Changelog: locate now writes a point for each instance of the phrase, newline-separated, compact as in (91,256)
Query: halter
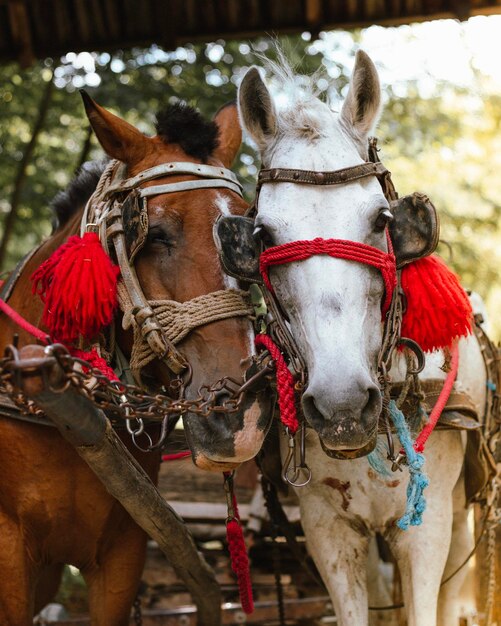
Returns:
(359,252)
(118,212)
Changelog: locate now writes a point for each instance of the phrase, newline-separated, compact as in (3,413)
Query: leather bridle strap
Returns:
(218,177)
(339,248)
(310,177)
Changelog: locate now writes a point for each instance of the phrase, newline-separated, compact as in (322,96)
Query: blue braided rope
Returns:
(416,503)
(377,459)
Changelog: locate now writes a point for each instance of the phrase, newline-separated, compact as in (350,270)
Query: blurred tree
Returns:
(445,143)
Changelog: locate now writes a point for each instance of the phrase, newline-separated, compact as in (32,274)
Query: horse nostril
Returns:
(311,412)
(220,397)
(368,403)
(372,409)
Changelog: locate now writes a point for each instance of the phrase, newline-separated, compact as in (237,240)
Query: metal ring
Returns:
(131,431)
(297,473)
(417,350)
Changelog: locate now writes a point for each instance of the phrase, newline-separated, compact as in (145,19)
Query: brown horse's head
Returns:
(180,261)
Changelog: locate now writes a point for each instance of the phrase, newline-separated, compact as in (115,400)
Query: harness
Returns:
(411,235)
(118,211)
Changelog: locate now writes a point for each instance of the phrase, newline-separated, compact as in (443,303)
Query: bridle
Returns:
(385,262)
(359,252)
(118,211)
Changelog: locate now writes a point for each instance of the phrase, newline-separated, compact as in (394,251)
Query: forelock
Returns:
(183,125)
(300,111)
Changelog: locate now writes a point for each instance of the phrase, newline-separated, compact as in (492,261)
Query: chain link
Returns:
(127,401)
(138,616)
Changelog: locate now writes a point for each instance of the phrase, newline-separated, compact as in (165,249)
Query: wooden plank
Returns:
(217,512)
(30,30)
(82,20)
(296,609)
(314,12)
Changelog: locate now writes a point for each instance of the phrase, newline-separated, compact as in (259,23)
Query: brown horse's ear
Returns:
(119,139)
(230,134)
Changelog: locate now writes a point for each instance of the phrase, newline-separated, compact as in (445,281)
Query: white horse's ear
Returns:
(256,109)
(361,107)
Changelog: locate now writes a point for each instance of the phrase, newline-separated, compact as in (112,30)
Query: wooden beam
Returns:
(21,32)
(314,12)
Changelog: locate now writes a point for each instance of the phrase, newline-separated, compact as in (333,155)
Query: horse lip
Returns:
(204,462)
(352,453)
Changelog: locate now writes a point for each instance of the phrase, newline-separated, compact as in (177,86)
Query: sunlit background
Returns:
(440,128)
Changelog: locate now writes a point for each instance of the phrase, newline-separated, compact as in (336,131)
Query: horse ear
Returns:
(256,109)
(361,107)
(119,139)
(230,133)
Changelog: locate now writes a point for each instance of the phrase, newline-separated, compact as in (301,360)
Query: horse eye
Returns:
(385,216)
(159,236)
(260,234)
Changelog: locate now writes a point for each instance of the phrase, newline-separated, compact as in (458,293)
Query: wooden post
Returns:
(87,428)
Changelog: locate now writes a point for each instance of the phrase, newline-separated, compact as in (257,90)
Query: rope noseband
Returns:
(339,248)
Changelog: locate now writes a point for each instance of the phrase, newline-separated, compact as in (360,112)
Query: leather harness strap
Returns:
(310,177)
(11,281)
(173,169)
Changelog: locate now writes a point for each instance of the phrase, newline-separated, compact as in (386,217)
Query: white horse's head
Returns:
(334,305)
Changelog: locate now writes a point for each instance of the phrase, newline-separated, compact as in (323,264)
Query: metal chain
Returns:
(127,401)
(138,616)
(491,580)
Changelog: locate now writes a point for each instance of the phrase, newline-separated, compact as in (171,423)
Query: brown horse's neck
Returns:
(22,298)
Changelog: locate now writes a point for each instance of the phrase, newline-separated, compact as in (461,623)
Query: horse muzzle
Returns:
(222,441)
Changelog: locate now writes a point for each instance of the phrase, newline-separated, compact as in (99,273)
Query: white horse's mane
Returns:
(301,111)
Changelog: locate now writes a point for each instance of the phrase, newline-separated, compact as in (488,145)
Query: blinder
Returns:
(238,249)
(415,228)
(135,223)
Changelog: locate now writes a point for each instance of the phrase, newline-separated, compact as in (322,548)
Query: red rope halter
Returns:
(339,248)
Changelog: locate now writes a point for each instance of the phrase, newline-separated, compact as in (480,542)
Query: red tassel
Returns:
(438,309)
(78,285)
(240,564)
(95,361)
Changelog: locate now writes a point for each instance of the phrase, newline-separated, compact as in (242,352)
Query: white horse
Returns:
(334,308)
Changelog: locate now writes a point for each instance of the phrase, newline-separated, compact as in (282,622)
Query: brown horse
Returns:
(53,509)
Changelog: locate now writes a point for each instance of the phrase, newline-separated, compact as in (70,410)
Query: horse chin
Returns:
(204,463)
(337,451)
(217,447)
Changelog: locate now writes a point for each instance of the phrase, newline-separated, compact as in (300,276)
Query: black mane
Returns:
(67,202)
(181,124)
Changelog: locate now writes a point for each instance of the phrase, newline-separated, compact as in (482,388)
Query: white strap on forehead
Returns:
(188,185)
(176,168)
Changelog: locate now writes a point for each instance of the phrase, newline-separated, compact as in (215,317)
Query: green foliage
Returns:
(445,143)
(72,592)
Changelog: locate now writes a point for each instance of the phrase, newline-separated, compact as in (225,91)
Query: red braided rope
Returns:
(92,357)
(339,248)
(22,323)
(420,442)
(95,361)
(175,456)
(238,556)
(285,383)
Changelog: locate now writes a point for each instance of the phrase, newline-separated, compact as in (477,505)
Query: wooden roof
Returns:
(31,29)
